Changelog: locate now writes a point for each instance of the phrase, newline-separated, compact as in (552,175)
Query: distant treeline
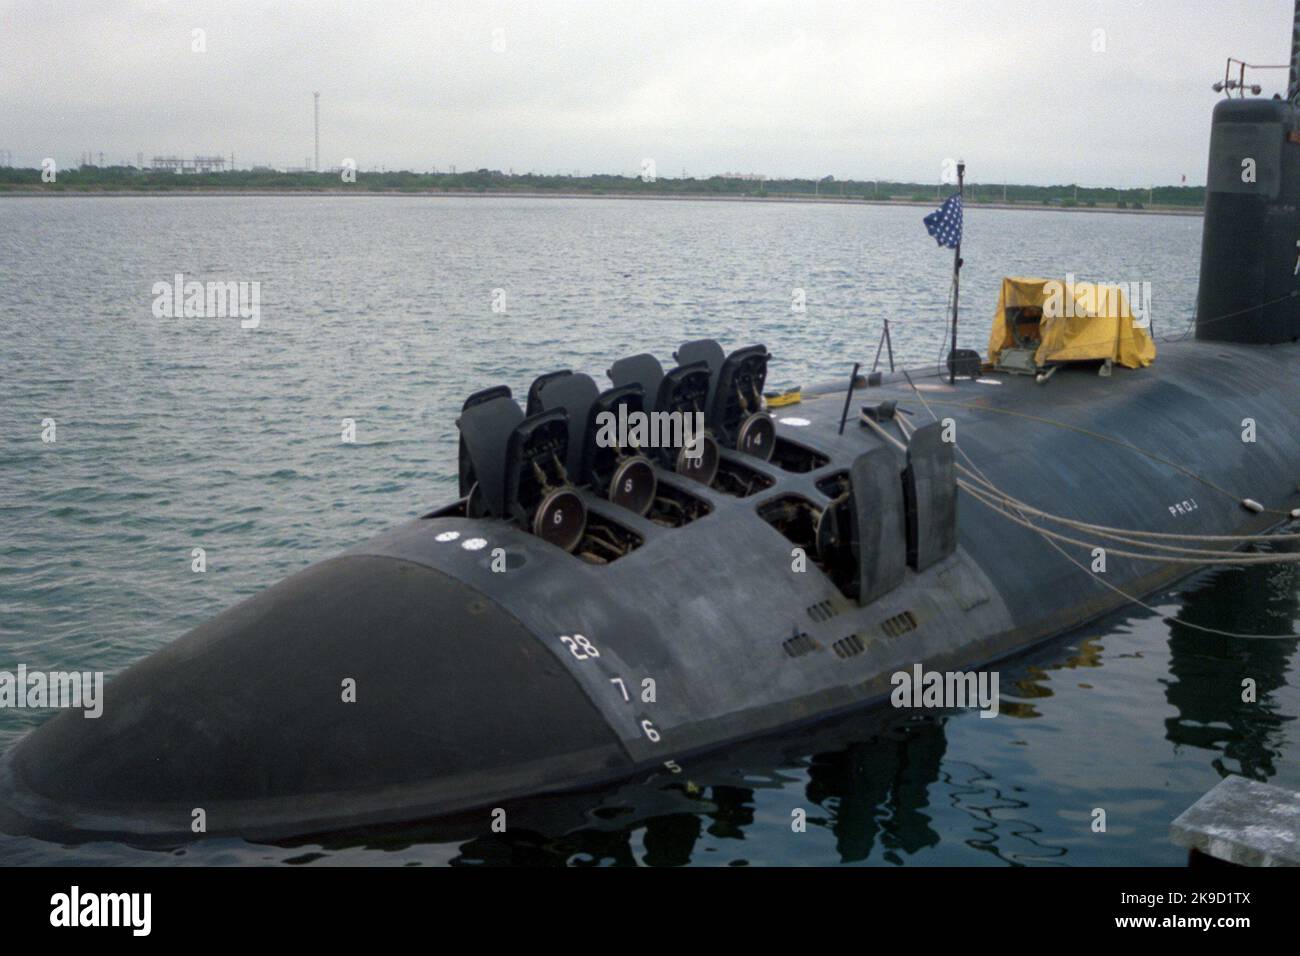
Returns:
(93,178)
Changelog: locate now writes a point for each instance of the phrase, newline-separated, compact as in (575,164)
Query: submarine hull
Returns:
(486,664)
(358,688)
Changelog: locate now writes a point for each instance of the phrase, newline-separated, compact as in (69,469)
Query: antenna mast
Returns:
(316,99)
(1294,84)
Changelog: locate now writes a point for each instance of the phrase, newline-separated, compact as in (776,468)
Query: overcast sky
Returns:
(860,89)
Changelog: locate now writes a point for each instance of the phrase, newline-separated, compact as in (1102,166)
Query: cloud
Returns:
(855,89)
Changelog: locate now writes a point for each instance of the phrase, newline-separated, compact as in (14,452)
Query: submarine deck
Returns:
(477,686)
(709,610)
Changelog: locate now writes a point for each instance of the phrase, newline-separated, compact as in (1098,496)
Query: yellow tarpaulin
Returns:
(1076,321)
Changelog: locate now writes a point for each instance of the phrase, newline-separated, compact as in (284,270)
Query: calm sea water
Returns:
(181,433)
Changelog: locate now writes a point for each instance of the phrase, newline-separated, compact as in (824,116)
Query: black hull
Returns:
(467,696)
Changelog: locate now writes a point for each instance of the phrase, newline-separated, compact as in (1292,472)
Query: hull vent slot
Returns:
(791,456)
(799,645)
(899,624)
(822,611)
(850,646)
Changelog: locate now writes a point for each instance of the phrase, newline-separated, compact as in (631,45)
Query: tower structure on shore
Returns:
(316,98)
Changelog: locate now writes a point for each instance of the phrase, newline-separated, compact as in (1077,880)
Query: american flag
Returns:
(944,224)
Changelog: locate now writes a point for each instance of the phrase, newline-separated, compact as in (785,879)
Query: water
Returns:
(174,434)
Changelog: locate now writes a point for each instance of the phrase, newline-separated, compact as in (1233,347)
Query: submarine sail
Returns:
(1250,251)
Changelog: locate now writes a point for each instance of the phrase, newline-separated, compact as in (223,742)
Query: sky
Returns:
(1053,91)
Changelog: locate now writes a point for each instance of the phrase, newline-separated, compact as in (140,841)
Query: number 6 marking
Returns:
(650,732)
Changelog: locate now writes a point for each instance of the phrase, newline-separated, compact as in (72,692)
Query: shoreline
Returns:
(535,194)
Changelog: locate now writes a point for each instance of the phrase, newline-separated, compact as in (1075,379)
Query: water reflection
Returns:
(1206,672)
(881,789)
(1032,680)
(866,780)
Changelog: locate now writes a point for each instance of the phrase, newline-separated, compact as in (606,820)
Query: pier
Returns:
(1243,822)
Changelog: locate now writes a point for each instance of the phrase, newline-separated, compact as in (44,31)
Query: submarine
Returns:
(591,610)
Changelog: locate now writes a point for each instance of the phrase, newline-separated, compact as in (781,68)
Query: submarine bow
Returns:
(363,687)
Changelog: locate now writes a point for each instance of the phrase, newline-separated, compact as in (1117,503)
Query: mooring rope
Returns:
(1069,557)
(1113,534)
(1122,534)
(1203,558)
(1180,336)
(1100,436)
(984,491)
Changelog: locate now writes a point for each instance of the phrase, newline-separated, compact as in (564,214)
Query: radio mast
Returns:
(316,99)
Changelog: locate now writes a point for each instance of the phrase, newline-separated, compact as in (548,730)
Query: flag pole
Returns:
(956,278)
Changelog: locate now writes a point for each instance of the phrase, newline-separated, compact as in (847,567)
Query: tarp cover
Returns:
(1081,321)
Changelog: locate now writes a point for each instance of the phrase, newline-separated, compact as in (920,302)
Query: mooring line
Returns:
(991,495)
(1069,557)
(1100,436)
